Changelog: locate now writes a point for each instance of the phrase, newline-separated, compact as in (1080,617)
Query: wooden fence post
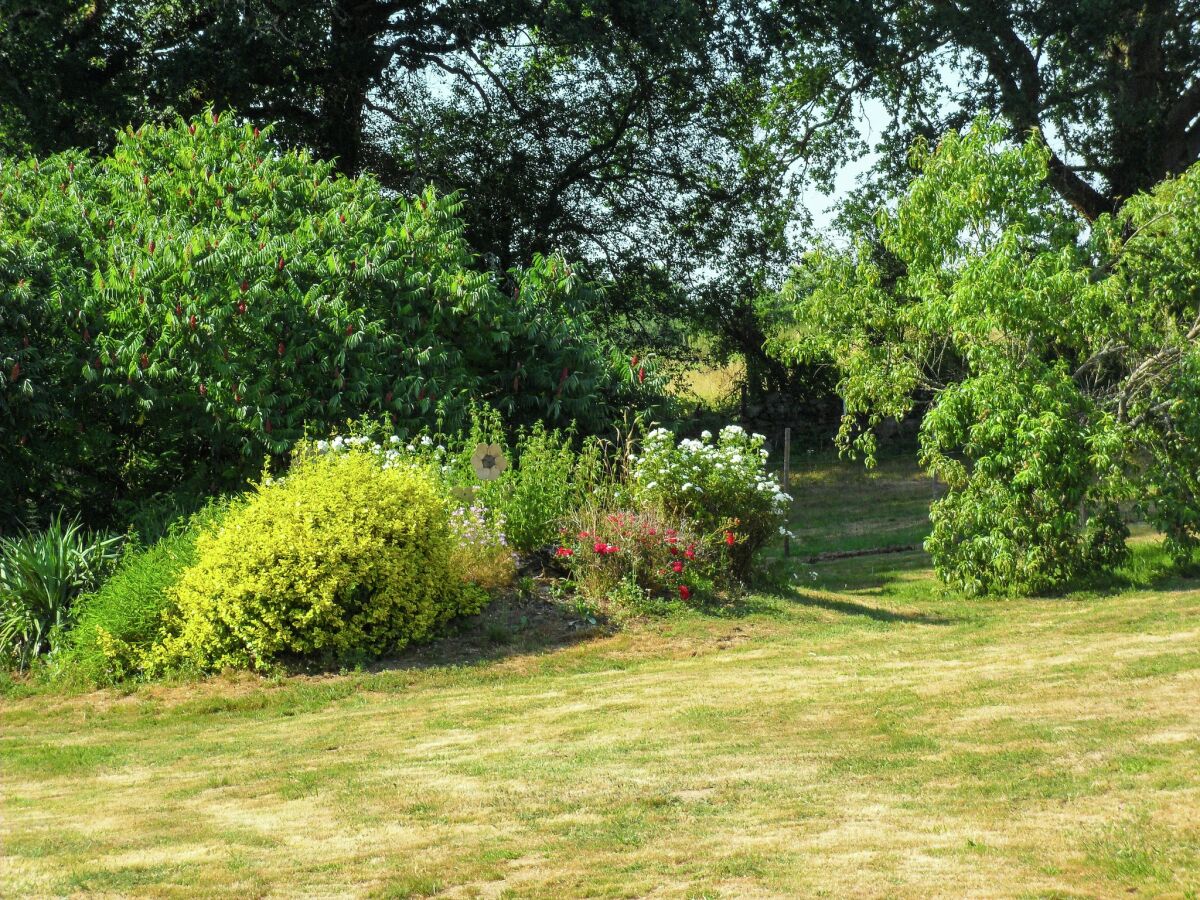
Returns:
(785,478)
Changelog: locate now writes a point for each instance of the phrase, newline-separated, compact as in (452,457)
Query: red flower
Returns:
(600,547)
(685,592)
(564,551)
(677,566)
(729,538)
(689,553)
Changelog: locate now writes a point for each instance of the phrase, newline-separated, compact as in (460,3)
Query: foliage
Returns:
(722,486)
(1114,81)
(117,625)
(175,310)
(548,481)
(41,575)
(1057,358)
(623,133)
(613,553)
(342,559)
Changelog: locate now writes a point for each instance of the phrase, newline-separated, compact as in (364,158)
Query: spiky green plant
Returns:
(41,574)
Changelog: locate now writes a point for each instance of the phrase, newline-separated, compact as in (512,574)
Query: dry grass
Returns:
(714,387)
(857,735)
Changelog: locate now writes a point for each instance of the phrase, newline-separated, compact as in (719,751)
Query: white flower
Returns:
(394,439)
(706,435)
(426,441)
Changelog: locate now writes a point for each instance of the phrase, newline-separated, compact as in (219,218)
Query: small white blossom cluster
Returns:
(720,483)
(392,451)
(734,463)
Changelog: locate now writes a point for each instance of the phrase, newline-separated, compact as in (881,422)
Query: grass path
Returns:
(856,736)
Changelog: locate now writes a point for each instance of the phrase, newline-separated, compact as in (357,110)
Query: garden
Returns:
(448,452)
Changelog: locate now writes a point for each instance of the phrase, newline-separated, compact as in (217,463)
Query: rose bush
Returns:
(611,551)
(720,485)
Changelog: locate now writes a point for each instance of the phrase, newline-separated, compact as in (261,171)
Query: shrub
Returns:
(41,575)
(609,551)
(171,312)
(1010,523)
(721,486)
(341,559)
(548,481)
(117,625)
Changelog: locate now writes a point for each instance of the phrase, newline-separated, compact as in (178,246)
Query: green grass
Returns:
(843,506)
(859,732)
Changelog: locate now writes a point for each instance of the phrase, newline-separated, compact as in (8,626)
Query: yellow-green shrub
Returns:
(346,557)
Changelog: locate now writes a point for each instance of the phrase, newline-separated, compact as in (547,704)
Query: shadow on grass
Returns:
(850,587)
(876,613)
(511,625)
(1148,568)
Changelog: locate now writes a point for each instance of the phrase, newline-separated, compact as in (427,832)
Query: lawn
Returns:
(856,732)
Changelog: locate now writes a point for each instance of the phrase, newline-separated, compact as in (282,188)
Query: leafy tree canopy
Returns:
(175,310)
(621,133)
(1113,84)
(1059,359)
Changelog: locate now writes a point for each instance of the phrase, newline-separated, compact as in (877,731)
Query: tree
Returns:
(624,134)
(1114,84)
(1059,358)
(193,301)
